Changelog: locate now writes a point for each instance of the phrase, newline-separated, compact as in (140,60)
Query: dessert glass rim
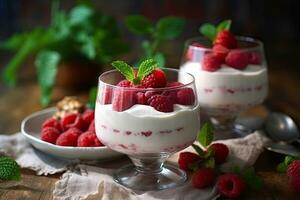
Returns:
(148,89)
(259,43)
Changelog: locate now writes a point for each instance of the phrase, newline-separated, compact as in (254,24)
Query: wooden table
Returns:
(16,103)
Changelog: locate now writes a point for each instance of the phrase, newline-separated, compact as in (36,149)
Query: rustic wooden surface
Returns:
(16,103)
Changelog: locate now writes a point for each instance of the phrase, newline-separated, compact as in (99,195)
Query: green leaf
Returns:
(281,167)
(289,159)
(210,163)
(124,68)
(205,135)
(46,64)
(169,28)
(146,67)
(138,24)
(92,98)
(80,14)
(253,181)
(14,42)
(209,31)
(224,25)
(9,169)
(160,59)
(194,166)
(147,48)
(198,150)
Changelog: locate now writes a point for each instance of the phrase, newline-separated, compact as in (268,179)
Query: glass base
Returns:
(167,177)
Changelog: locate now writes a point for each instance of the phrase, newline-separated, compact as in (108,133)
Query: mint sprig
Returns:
(205,136)
(9,169)
(283,166)
(210,31)
(145,68)
(248,174)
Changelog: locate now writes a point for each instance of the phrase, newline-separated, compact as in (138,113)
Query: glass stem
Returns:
(151,164)
(223,126)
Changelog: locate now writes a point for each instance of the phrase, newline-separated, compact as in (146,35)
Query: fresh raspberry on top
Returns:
(186,96)
(174,84)
(294,169)
(226,39)
(237,59)
(124,83)
(123,99)
(88,116)
(203,177)
(157,79)
(211,63)
(230,185)
(72,120)
(69,137)
(51,122)
(49,134)
(161,103)
(254,58)
(220,51)
(186,159)
(141,98)
(171,95)
(88,139)
(92,126)
(220,152)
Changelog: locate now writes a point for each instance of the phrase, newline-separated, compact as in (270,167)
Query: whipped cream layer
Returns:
(229,87)
(142,129)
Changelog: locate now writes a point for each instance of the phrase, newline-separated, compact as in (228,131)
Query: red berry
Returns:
(174,84)
(72,120)
(88,116)
(88,139)
(237,59)
(123,99)
(294,169)
(92,126)
(191,53)
(220,152)
(186,96)
(51,122)
(124,83)
(220,52)
(186,159)
(226,39)
(141,98)
(254,58)
(211,63)
(160,103)
(230,185)
(295,183)
(171,95)
(106,95)
(157,79)
(69,137)
(50,134)
(203,177)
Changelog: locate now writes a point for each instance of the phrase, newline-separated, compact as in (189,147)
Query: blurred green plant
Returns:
(82,33)
(166,28)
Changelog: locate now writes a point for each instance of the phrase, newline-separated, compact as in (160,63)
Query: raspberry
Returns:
(220,152)
(106,95)
(192,50)
(186,159)
(226,39)
(294,169)
(124,83)
(295,183)
(88,139)
(203,177)
(186,96)
(157,79)
(230,185)
(72,120)
(88,117)
(237,59)
(254,58)
(211,63)
(220,52)
(171,95)
(69,137)
(174,84)
(51,122)
(123,99)
(49,134)
(160,103)
(141,98)
(92,126)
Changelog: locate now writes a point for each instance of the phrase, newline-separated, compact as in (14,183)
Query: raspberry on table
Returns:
(52,122)
(203,177)
(294,169)
(185,96)
(88,139)
(230,185)
(186,159)
(92,126)
(220,152)
(295,183)
(226,39)
(88,116)
(211,63)
(161,103)
(123,99)
(69,137)
(157,79)
(72,120)
(49,134)
(237,59)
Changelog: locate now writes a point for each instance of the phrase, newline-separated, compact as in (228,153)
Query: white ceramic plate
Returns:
(31,127)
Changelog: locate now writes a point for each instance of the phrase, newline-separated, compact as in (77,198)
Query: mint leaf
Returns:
(198,150)
(224,25)
(146,67)
(138,24)
(169,28)
(194,166)
(210,163)
(9,169)
(253,181)
(160,58)
(205,135)
(80,14)
(92,98)
(281,167)
(209,31)
(289,159)
(46,64)
(124,68)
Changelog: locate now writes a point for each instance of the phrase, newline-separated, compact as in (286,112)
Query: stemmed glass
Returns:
(224,93)
(146,135)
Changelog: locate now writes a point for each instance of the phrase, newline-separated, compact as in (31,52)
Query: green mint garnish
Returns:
(145,68)
(205,136)
(253,181)
(198,150)
(9,169)
(210,163)
(210,31)
(283,166)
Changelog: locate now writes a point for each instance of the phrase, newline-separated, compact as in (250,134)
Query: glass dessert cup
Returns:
(226,92)
(145,134)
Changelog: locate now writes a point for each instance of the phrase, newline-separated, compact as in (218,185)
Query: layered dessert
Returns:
(150,114)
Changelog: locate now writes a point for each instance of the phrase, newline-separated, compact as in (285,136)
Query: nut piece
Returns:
(68,105)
